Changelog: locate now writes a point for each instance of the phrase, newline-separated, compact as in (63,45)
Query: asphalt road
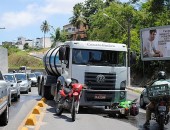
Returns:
(20,109)
(95,119)
(88,118)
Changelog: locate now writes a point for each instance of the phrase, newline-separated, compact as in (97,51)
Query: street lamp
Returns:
(128,45)
(2,28)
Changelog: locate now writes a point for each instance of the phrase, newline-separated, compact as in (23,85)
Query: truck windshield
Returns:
(99,57)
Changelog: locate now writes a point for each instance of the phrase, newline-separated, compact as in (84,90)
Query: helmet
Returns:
(14,71)
(161,75)
(134,110)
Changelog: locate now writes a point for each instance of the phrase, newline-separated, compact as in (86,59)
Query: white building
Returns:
(37,43)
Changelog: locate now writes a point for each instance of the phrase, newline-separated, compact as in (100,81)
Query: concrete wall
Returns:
(3,60)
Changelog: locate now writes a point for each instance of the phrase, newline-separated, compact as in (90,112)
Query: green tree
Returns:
(26,46)
(55,37)
(45,28)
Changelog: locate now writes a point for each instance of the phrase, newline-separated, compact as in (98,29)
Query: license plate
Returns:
(100,96)
(161,108)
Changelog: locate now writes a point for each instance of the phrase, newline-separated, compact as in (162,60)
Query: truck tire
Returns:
(39,85)
(4,117)
(46,92)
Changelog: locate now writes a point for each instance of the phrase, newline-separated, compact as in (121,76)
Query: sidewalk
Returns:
(135,89)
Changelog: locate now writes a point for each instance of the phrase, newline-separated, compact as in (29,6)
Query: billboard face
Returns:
(155,43)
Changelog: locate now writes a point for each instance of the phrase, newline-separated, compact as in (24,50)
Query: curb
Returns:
(134,89)
(34,116)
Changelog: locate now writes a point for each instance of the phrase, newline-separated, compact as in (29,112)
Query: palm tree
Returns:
(78,19)
(45,27)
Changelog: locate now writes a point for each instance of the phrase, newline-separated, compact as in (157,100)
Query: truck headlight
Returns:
(122,95)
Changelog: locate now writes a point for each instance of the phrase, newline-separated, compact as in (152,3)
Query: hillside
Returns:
(22,58)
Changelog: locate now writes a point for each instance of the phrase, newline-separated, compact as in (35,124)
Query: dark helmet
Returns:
(161,75)
(14,71)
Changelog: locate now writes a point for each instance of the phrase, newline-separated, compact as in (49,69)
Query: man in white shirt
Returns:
(149,49)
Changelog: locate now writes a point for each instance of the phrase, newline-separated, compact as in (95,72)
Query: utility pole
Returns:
(128,65)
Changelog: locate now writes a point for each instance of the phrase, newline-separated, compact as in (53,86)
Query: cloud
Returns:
(34,12)
(60,6)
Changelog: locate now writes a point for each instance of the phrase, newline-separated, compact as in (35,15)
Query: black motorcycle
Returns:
(160,95)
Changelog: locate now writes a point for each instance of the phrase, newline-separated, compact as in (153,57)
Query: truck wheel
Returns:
(39,87)
(4,117)
(46,92)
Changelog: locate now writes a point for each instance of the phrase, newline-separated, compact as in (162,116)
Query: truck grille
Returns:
(100,81)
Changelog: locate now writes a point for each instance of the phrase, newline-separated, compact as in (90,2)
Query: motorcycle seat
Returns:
(67,90)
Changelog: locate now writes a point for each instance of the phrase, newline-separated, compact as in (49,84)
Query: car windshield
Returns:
(38,74)
(21,77)
(31,75)
(9,78)
(99,57)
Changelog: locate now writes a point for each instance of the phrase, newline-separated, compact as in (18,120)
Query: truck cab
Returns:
(101,67)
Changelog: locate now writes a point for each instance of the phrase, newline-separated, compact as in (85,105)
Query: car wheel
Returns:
(142,103)
(16,98)
(30,89)
(4,117)
(27,91)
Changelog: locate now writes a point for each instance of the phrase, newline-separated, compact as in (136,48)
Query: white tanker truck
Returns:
(100,66)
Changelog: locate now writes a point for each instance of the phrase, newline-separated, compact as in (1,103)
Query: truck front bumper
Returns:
(100,97)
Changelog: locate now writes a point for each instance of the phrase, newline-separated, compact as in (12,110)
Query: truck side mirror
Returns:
(62,53)
(132,57)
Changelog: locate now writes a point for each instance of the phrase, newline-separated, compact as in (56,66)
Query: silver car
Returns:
(33,78)
(14,85)
(143,99)
(25,84)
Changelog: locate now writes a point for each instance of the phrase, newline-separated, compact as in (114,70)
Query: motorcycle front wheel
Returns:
(161,122)
(73,110)
(58,108)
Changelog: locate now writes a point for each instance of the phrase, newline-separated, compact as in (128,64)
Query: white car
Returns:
(14,85)
(25,84)
(33,78)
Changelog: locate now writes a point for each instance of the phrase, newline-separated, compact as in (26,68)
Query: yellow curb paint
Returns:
(41,103)
(36,110)
(43,99)
(24,128)
(31,120)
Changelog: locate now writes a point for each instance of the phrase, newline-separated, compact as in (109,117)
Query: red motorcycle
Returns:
(68,98)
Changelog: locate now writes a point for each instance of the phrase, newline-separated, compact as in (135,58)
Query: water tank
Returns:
(52,63)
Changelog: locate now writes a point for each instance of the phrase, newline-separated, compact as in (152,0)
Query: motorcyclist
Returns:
(150,107)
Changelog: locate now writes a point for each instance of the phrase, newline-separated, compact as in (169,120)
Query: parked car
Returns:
(38,74)
(33,78)
(14,85)
(4,101)
(144,100)
(25,82)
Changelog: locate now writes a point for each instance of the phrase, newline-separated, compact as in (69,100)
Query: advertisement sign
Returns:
(155,43)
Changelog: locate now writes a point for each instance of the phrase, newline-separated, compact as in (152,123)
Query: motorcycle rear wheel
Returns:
(73,110)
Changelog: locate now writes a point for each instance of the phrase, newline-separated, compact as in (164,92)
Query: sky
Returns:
(24,17)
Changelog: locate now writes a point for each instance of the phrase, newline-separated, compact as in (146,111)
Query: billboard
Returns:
(155,43)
